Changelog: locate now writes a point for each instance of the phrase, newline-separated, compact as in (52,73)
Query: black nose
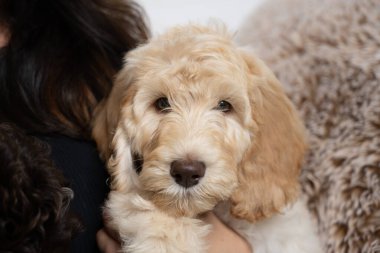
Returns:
(187,172)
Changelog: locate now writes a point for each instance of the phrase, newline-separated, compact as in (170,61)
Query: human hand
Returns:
(106,243)
(107,239)
(223,239)
(4,35)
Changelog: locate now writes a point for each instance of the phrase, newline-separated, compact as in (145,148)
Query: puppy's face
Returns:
(188,127)
(184,120)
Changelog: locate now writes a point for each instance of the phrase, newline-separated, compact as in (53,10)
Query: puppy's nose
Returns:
(187,172)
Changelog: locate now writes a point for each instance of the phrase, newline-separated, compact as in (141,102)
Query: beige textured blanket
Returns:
(327,55)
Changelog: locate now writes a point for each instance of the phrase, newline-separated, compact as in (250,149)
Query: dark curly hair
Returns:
(61,59)
(34,197)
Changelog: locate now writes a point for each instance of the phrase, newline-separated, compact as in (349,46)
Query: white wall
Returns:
(166,13)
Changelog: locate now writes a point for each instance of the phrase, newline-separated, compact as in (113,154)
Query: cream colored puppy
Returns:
(194,123)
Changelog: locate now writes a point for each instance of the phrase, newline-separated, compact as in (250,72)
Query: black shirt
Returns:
(81,165)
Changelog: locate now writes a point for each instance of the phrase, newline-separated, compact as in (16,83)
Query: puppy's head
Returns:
(193,120)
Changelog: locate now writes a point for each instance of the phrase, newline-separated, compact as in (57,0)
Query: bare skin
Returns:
(106,243)
(4,36)
(222,239)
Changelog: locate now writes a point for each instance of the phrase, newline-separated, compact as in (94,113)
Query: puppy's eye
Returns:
(162,104)
(224,106)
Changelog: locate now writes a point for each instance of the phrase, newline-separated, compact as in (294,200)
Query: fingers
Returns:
(108,228)
(106,243)
(108,239)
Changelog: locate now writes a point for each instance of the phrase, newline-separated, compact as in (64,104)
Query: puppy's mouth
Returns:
(138,162)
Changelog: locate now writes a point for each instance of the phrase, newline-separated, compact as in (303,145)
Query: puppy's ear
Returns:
(110,134)
(107,114)
(268,176)
(120,163)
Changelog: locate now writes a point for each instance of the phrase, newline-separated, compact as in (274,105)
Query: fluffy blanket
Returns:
(327,55)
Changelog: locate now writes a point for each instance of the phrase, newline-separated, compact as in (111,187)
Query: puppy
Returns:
(34,197)
(193,124)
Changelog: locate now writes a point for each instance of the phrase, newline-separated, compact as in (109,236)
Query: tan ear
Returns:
(107,114)
(269,172)
(120,164)
(110,134)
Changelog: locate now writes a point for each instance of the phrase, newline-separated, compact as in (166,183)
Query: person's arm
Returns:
(221,239)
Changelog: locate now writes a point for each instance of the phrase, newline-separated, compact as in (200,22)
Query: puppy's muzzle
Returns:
(187,173)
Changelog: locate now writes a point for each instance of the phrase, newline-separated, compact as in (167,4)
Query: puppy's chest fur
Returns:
(287,232)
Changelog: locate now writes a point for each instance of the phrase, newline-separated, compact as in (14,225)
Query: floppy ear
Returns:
(110,134)
(107,114)
(269,172)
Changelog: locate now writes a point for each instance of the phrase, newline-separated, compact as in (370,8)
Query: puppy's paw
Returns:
(163,234)
(145,229)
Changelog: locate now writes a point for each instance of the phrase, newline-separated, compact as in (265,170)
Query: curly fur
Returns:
(34,197)
(252,152)
(326,53)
